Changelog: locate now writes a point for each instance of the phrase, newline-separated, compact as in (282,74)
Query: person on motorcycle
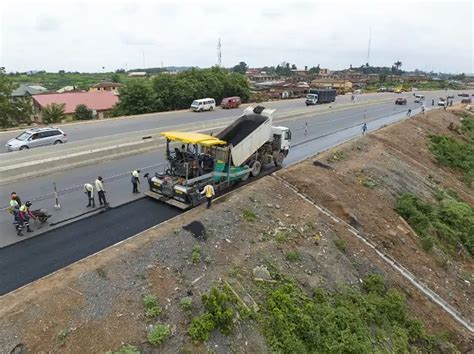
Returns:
(26,215)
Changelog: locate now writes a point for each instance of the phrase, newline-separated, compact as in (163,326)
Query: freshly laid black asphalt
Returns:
(24,262)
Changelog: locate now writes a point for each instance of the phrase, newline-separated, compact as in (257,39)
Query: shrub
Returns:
(151,305)
(346,321)
(219,315)
(83,113)
(196,254)
(449,223)
(186,304)
(53,113)
(159,334)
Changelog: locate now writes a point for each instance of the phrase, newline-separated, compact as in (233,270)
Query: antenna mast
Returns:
(368,49)
(219,53)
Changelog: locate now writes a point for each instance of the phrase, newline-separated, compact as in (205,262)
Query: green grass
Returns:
(449,223)
(159,334)
(337,156)
(152,309)
(249,215)
(282,236)
(63,334)
(126,349)
(293,256)
(367,181)
(341,244)
(457,153)
(348,321)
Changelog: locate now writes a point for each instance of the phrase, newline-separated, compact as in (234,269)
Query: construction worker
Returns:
(209,192)
(135,180)
(14,209)
(99,186)
(89,191)
(26,215)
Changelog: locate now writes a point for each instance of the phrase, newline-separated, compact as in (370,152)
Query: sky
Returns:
(105,35)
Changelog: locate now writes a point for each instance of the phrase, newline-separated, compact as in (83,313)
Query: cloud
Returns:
(133,39)
(46,23)
(272,13)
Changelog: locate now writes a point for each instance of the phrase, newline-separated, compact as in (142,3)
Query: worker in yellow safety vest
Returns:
(208,191)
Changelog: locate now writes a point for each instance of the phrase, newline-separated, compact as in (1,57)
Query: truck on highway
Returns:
(317,96)
(239,151)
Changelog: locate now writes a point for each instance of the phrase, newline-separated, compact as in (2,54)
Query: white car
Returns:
(204,104)
(36,137)
(441,102)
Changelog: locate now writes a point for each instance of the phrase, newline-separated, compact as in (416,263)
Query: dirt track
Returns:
(98,301)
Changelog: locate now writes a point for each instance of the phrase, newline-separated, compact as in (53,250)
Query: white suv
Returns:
(37,137)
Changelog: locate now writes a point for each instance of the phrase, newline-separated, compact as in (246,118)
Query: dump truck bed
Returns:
(247,134)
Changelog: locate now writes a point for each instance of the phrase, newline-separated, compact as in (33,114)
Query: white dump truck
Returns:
(239,151)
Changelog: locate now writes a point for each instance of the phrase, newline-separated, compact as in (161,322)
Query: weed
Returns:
(151,306)
(293,256)
(208,260)
(186,304)
(337,156)
(281,236)
(367,181)
(196,254)
(249,215)
(63,334)
(126,349)
(101,273)
(159,334)
(341,244)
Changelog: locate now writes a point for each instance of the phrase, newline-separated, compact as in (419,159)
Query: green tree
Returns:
(315,70)
(116,78)
(137,97)
(83,113)
(293,67)
(12,112)
(53,113)
(240,68)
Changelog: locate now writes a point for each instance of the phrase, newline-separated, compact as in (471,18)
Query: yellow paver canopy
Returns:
(193,138)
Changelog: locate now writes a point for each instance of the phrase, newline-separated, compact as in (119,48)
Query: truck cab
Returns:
(282,137)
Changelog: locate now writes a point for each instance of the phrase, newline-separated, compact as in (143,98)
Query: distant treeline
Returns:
(166,92)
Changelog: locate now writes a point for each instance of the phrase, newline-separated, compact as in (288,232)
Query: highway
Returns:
(65,243)
(108,127)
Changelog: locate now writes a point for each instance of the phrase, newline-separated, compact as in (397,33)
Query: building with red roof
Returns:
(99,102)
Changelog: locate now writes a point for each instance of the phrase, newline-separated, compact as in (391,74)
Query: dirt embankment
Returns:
(97,304)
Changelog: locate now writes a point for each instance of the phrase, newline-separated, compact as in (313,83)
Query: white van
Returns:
(204,104)
(419,98)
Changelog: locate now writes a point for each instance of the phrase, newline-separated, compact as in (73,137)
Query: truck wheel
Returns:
(279,160)
(256,167)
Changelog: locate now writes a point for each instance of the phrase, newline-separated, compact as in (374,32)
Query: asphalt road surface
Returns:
(25,261)
(34,258)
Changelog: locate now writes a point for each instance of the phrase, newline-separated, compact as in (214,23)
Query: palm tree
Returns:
(53,113)
(398,64)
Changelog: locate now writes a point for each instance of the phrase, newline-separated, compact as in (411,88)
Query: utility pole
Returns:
(219,53)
